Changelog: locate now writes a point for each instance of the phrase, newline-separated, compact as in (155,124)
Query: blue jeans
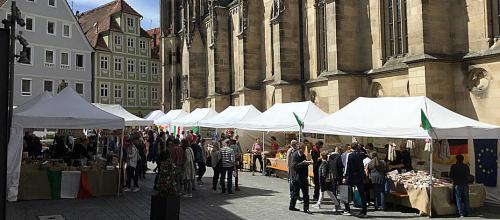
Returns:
(379,192)
(462,199)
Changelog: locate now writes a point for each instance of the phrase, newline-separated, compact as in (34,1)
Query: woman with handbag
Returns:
(376,171)
(326,181)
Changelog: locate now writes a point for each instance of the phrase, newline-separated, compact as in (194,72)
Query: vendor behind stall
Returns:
(402,162)
(80,151)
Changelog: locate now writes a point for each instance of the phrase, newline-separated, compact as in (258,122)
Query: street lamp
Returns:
(8,53)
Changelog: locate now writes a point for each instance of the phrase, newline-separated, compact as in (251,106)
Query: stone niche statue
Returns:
(478,81)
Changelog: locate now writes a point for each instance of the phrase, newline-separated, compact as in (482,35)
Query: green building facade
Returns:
(126,66)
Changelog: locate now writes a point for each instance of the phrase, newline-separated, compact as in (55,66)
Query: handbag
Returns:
(209,161)
(387,185)
(345,193)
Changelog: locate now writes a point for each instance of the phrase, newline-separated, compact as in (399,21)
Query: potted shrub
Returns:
(166,203)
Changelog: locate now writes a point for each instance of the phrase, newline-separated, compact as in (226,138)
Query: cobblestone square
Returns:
(260,197)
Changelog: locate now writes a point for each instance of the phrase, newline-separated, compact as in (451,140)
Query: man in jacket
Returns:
(298,175)
(289,154)
(354,175)
(460,173)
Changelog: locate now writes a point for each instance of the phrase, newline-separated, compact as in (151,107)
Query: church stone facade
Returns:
(217,53)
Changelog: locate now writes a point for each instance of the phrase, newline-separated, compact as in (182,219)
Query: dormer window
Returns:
(130,22)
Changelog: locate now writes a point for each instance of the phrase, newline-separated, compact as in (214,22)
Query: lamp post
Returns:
(8,38)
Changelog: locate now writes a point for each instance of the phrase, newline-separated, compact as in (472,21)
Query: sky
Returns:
(149,9)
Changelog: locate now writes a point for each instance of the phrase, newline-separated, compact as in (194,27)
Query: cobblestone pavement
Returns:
(260,198)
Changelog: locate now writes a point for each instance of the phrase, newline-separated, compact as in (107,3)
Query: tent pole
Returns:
(264,155)
(432,183)
(120,167)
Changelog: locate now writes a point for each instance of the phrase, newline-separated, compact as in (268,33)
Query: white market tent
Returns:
(154,115)
(400,117)
(280,117)
(193,118)
(118,110)
(166,119)
(45,96)
(231,116)
(66,110)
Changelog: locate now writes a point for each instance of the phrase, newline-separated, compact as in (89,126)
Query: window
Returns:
(52,3)
(142,67)
(66,30)
(49,56)
(154,68)
(131,92)
(154,93)
(79,88)
(322,36)
(118,91)
(51,28)
(32,1)
(25,87)
(495,20)
(104,90)
(30,24)
(396,34)
(130,42)
(104,62)
(131,66)
(30,54)
(142,44)
(64,59)
(48,85)
(79,61)
(118,40)
(118,64)
(143,92)
(130,22)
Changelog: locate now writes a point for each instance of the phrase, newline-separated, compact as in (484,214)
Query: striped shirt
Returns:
(227,157)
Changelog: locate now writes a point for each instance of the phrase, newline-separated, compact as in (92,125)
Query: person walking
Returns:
(376,170)
(316,157)
(257,155)
(354,175)
(326,182)
(460,173)
(189,169)
(336,171)
(298,175)
(227,160)
(200,158)
(178,157)
(132,160)
(238,154)
(216,165)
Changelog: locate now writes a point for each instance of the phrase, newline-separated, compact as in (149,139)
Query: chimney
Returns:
(154,40)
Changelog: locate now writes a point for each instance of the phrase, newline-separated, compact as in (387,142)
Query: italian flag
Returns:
(299,122)
(424,121)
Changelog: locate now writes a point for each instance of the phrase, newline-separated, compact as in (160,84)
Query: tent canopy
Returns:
(45,96)
(400,117)
(231,116)
(166,119)
(118,110)
(66,110)
(193,118)
(154,115)
(280,117)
